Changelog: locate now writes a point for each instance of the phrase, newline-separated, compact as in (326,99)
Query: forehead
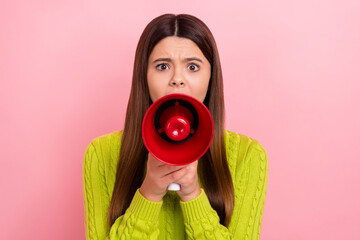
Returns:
(176,47)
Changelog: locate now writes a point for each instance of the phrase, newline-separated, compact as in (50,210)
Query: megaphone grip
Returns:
(174,187)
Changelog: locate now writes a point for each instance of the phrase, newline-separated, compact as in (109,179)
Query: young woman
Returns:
(222,194)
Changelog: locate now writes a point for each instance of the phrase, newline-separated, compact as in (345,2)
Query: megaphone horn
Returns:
(177,129)
(176,120)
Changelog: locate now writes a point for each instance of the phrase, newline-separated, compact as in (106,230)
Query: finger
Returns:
(158,167)
(171,172)
(193,166)
(195,163)
(168,169)
(161,169)
(175,176)
(153,161)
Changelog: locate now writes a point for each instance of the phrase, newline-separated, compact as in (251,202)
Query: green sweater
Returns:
(171,218)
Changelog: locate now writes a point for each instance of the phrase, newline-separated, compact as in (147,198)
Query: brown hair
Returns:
(213,169)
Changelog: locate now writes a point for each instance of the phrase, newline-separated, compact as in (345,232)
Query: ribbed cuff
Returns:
(197,208)
(143,208)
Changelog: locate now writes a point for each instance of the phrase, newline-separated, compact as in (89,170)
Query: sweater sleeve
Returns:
(140,220)
(201,220)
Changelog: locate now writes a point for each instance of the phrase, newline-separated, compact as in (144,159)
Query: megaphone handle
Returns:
(174,187)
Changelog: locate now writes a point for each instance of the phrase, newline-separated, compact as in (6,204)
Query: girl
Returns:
(222,194)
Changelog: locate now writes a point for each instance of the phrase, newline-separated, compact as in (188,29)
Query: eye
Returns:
(193,67)
(162,67)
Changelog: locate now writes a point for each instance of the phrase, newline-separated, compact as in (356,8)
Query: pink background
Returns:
(291,75)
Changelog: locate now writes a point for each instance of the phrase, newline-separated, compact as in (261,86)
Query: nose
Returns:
(177,83)
(177,79)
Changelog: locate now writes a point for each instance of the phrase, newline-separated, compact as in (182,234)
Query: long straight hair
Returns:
(213,169)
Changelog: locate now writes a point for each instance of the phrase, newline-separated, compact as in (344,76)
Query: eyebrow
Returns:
(185,60)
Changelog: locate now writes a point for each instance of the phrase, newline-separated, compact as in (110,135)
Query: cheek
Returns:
(204,81)
(200,87)
(151,85)
(156,86)
(153,90)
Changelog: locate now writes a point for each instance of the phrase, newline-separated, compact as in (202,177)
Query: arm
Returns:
(140,220)
(201,220)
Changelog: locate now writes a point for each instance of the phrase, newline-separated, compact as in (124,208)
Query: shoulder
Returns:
(105,143)
(106,139)
(102,152)
(237,141)
(243,151)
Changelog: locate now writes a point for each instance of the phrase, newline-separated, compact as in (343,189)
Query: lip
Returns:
(175,92)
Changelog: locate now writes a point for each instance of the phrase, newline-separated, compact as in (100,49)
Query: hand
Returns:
(158,178)
(189,185)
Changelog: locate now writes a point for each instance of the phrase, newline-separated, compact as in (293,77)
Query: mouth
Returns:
(176,92)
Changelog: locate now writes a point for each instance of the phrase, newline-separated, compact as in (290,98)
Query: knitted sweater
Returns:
(171,218)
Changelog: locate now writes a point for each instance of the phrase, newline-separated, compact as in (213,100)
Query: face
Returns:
(177,65)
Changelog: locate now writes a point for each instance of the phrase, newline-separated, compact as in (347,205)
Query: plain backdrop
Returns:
(291,76)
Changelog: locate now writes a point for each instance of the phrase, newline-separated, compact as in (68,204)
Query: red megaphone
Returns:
(177,129)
